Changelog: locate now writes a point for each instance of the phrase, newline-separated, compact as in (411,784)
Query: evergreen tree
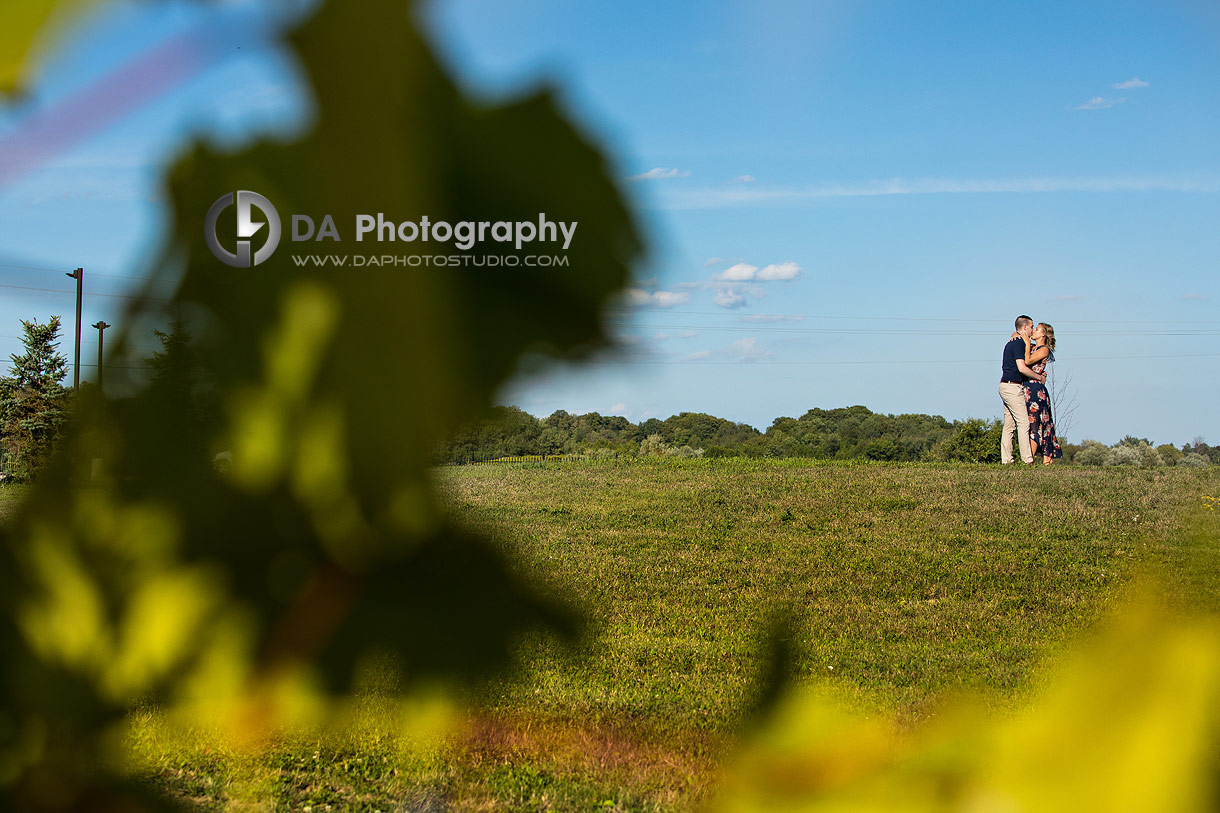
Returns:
(33,400)
(180,408)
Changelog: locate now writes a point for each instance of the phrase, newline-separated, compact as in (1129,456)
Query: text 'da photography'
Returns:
(455,405)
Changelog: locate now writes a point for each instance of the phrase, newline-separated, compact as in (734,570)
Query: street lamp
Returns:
(101,331)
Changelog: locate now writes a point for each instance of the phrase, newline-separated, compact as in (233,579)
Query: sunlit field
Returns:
(900,584)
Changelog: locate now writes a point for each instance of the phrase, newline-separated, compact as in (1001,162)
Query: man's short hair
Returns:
(1022,321)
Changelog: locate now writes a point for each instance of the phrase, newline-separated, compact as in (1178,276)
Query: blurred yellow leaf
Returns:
(1132,723)
(26,25)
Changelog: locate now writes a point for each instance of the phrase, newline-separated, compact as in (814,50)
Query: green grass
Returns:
(10,499)
(902,581)
(900,584)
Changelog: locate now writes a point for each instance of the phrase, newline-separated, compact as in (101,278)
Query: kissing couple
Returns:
(1027,404)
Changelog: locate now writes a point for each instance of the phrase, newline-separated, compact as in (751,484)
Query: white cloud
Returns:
(656,299)
(688,334)
(618,409)
(773,317)
(743,179)
(729,298)
(748,349)
(1099,103)
(1133,82)
(658,173)
(697,356)
(738,272)
(786,270)
(712,261)
(1196,297)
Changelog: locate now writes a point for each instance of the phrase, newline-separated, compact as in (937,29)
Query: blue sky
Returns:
(846,202)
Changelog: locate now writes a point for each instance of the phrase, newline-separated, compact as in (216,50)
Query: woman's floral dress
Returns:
(1041,425)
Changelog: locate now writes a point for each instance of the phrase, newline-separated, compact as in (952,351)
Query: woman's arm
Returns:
(1032,357)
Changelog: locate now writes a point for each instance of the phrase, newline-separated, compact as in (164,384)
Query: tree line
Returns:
(846,433)
(35,407)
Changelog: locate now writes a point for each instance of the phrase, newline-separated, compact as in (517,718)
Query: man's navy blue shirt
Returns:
(1015,349)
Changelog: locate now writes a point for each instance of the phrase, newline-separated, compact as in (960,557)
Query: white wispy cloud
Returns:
(710,261)
(1196,297)
(786,270)
(742,272)
(1099,103)
(617,409)
(729,298)
(748,349)
(743,179)
(698,355)
(656,299)
(724,196)
(1133,82)
(659,173)
(737,272)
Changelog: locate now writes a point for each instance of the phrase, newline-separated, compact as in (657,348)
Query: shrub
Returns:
(976,441)
(1169,453)
(1092,453)
(1124,456)
(652,446)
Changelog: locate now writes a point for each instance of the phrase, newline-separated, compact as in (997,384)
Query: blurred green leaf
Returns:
(323,543)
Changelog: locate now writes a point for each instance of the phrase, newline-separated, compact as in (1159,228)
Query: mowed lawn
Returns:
(901,584)
(899,581)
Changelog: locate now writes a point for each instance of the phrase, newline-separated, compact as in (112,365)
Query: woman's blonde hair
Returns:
(1049,332)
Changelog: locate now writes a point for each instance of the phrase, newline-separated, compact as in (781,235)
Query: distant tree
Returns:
(976,441)
(33,400)
(1169,453)
(180,408)
(652,426)
(1070,450)
(1124,455)
(883,448)
(1092,453)
(652,446)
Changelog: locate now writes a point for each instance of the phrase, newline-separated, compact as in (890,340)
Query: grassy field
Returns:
(898,583)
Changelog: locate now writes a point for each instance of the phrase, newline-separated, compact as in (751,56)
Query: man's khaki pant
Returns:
(1016,416)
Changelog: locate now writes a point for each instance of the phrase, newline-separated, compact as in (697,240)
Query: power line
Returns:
(883,361)
(802,316)
(92,274)
(86,293)
(896,332)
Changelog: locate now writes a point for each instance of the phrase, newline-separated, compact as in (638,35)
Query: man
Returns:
(1013,375)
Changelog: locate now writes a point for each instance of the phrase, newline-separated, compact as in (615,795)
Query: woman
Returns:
(1040,351)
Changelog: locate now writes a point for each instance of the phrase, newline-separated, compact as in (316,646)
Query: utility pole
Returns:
(79,276)
(101,329)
